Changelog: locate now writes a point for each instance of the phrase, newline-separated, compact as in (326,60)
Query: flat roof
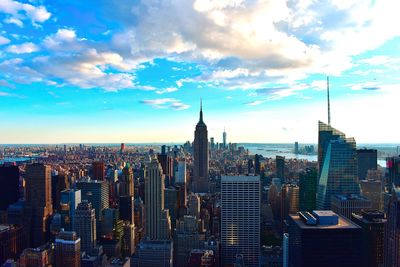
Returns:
(240,178)
(343,223)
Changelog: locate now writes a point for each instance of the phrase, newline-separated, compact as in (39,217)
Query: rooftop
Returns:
(343,223)
(240,178)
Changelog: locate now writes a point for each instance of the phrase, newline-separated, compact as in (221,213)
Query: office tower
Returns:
(40,256)
(200,150)
(154,253)
(70,198)
(296,148)
(345,205)
(154,201)
(289,201)
(139,213)
(224,139)
(85,225)
(322,238)
(188,236)
(280,167)
(11,242)
(194,205)
(257,166)
(59,182)
(393,167)
(98,170)
(372,189)
(68,249)
(111,225)
(367,159)
(181,173)
(167,165)
(38,207)
(308,189)
(126,182)
(171,203)
(338,175)
(9,189)
(373,226)
(95,192)
(128,240)
(127,209)
(240,219)
(392,230)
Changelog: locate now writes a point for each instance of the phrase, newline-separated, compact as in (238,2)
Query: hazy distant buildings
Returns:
(308,189)
(337,158)
(38,204)
(240,219)
(345,205)
(322,238)
(367,159)
(9,189)
(201,157)
(373,226)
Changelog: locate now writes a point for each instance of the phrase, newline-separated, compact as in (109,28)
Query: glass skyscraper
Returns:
(338,171)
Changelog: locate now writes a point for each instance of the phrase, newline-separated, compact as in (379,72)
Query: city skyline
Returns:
(82,73)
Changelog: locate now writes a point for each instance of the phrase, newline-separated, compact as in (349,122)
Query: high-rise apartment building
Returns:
(68,249)
(240,219)
(338,173)
(38,204)
(201,157)
(85,225)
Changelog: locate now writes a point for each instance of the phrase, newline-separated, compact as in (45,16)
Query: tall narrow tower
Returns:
(224,138)
(329,102)
(200,147)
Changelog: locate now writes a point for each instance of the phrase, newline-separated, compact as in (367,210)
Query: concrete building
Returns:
(345,205)
(153,253)
(85,225)
(68,249)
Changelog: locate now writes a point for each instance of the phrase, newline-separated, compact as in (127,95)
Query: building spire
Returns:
(329,104)
(201,110)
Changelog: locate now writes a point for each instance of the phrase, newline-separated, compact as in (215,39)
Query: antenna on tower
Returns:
(329,103)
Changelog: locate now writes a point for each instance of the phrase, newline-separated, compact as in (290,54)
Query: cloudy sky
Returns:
(134,71)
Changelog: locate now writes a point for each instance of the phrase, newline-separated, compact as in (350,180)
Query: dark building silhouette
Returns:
(280,167)
(201,157)
(322,238)
(393,166)
(98,170)
(127,208)
(257,166)
(11,242)
(59,183)
(38,204)
(373,226)
(68,249)
(367,159)
(392,230)
(9,189)
(126,182)
(308,189)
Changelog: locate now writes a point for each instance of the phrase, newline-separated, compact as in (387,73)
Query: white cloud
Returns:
(20,11)
(167,90)
(15,21)
(255,103)
(24,48)
(161,103)
(4,40)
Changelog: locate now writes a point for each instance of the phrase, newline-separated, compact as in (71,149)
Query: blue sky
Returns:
(134,71)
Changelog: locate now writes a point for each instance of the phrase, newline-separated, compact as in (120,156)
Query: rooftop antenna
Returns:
(329,104)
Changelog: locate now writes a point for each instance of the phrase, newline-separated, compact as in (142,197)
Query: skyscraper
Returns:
(98,170)
(70,198)
(85,225)
(280,167)
(200,149)
(392,230)
(338,173)
(9,189)
(240,219)
(257,165)
(126,182)
(322,238)
(224,139)
(308,189)
(366,160)
(68,249)
(154,253)
(393,166)
(154,201)
(38,204)
(373,225)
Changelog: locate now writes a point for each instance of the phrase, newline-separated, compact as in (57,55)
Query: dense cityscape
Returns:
(198,204)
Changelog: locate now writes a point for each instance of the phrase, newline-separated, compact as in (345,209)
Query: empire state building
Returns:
(200,149)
